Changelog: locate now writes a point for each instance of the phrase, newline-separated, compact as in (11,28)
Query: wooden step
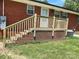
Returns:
(25,38)
(13,38)
(18,35)
(9,41)
(22,33)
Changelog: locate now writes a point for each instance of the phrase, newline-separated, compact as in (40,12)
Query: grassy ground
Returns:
(4,57)
(61,49)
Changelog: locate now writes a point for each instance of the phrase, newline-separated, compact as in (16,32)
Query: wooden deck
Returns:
(23,27)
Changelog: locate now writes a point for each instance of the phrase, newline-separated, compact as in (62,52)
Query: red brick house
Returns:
(25,20)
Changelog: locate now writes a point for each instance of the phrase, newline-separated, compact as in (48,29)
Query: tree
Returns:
(72,4)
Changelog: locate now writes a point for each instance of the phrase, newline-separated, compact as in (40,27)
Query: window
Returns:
(57,13)
(64,15)
(44,12)
(30,9)
(60,14)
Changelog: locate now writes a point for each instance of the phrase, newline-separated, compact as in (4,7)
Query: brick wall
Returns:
(72,21)
(0,7)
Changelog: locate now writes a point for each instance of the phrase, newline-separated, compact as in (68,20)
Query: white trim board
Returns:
(46,6)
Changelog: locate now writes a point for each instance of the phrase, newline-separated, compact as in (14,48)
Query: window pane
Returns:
(64,15)
(44,12)
(30,9)
(30,12)
(57,13)
(61,14)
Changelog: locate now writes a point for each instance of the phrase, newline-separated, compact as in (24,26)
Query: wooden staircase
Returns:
(21,29)
(17,30)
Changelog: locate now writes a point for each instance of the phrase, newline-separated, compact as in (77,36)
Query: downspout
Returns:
(4,31)
(3,8)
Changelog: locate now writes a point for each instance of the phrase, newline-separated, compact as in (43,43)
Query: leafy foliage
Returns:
(72,4)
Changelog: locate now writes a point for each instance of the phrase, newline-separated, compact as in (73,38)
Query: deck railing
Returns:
(61,23)
(33,22)
(57,23)
(19,27)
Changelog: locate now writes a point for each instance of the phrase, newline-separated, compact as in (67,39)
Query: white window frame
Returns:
(47,10)
(60,14)
(42,25)
(30,9)
(57,13)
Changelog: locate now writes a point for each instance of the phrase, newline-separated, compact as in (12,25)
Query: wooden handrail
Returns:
(18,27)
(18,22)
(44,16)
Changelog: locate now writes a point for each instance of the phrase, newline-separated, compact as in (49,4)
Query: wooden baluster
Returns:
(61,26)
(58,22)
(15,29)
(31,22)
(53,26)
(64,24)
(20,27)
(24,25)
(28,23)
(39,21)
(10,31)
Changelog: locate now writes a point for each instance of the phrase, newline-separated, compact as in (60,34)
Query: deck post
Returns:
(53,25)
(67,26)
(35,26)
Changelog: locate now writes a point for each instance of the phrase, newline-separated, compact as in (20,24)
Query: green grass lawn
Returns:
(61,49)
(4,57)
